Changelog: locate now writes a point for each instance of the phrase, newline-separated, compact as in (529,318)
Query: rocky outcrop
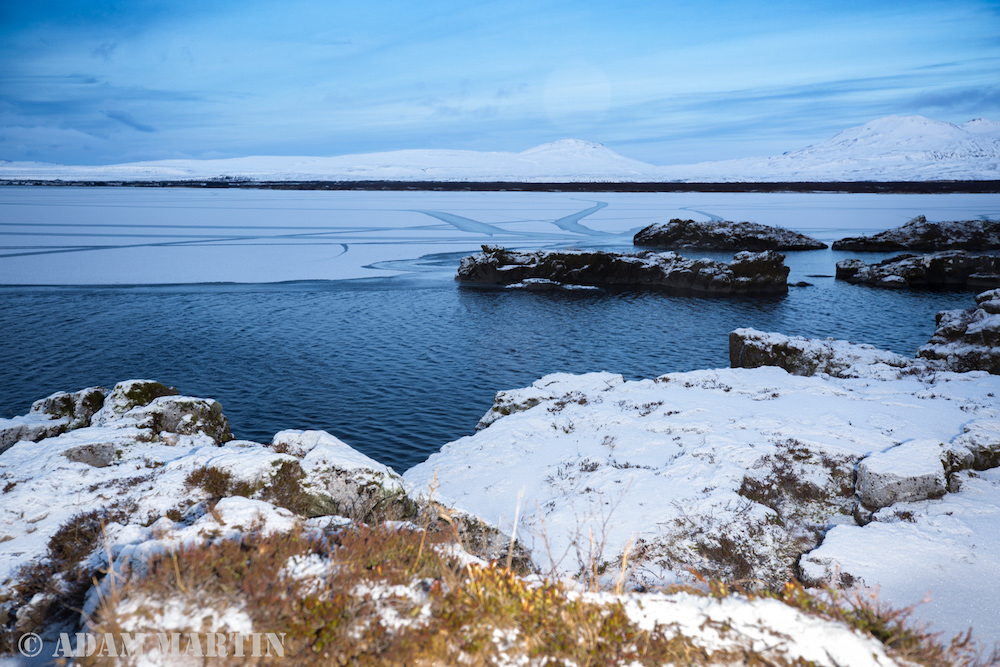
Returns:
(918,234)
(968,340)
(749,348)
(52,415)
(748,273)
(723,235)
(953,269)
(130,394)
(353,485)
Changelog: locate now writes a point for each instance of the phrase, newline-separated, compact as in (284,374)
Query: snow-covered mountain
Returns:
(896,148)
(565,160)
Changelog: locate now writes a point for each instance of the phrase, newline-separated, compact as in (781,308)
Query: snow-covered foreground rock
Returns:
(144,465)
(145,520)
(733,472)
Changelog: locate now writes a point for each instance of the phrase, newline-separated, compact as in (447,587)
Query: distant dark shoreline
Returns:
(888,187)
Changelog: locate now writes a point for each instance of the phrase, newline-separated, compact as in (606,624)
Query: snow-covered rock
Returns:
(968,340)
(734,472)
(919,234)
(749,348)
(913,470)
(748,273)
(562,387)
(937,555)
(52,415)
(353,483)
(952,268)
(130,394)
(723,235)
(152,469)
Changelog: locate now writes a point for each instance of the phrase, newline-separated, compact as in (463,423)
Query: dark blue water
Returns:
(398,367)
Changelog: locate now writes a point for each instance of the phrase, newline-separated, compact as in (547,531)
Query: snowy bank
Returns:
(738,473)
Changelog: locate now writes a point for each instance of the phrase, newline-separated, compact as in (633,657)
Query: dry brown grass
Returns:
(448,612)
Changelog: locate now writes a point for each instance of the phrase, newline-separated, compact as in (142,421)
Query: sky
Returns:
(104,82)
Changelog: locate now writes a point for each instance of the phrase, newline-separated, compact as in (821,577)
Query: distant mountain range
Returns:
(896,148)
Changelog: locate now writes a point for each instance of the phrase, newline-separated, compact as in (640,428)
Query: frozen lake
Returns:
(242,295)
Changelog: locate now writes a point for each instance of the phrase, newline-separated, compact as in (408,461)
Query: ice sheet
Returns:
(78,235)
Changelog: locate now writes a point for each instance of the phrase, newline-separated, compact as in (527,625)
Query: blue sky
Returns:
(665,82)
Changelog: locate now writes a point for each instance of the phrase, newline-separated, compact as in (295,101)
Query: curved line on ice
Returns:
(571,223)
(464,224)
(713,218)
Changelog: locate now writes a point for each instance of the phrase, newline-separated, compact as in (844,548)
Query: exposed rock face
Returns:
(968,340)
(183,415)
(954,269)
(918,234)
(79,406)
(748,273)
(52,415)
(723,235)
(749,348)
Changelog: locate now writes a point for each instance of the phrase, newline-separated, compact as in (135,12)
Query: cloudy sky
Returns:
(666,82)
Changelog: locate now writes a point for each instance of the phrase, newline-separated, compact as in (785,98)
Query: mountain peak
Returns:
(982,126)
(571,147)
(915,136)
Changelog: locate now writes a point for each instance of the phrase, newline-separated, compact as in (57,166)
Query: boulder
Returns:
(968,340)
(978,447)
(748,273)
(918,234)
(95,454)
(911,471)
(723,235)
(953,269)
